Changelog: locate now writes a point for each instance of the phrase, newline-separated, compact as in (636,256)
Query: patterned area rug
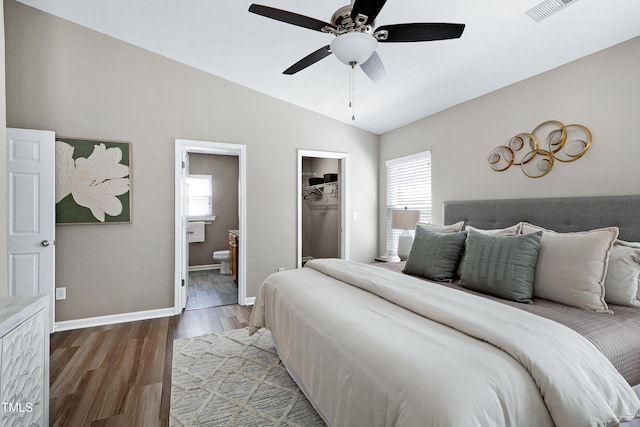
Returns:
(232,379)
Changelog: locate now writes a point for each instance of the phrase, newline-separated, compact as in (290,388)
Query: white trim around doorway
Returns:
(344,198)
(182,147)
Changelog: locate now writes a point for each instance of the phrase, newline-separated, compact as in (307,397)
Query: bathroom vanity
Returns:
(233,254)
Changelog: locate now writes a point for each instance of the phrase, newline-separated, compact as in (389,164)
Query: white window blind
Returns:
(408,186)
(200,196)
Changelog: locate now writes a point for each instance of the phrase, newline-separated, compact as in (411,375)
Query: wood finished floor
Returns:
(120,375)
(209,288)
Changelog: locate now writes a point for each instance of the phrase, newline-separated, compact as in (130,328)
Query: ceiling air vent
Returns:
(547,8)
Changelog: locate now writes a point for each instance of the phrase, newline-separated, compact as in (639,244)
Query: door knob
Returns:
(44,243)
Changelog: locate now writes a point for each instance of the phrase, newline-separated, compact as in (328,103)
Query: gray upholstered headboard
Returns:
(564,214)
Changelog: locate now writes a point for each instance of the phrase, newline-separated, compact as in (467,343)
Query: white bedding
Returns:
(387,349)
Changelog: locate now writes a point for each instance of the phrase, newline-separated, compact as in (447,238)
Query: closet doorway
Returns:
(323,230)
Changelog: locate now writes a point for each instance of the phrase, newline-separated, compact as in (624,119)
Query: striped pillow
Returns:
(502,266)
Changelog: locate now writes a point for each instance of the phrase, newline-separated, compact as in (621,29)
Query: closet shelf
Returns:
(326,184)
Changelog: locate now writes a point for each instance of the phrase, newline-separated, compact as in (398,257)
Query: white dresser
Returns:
(24,361)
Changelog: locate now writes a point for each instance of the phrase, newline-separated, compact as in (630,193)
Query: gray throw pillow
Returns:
(502,266)
(622,282)
(435,255)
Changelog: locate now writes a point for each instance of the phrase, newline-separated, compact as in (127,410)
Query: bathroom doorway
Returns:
(322,198)
(212,200)
(184,150)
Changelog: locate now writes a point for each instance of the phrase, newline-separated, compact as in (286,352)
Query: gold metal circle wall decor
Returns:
(537,163)
(553,133)
(522,144)
(564,143)
(578,142)
(500,158)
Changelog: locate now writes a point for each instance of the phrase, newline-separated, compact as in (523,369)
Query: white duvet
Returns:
(376,348)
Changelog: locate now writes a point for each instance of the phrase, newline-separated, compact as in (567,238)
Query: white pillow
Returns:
(572,267)
(453,228)
(623,275)
(509,231)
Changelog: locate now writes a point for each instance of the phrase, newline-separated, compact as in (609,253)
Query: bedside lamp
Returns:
(404,220)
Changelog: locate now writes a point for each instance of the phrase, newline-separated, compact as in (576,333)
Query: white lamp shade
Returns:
(404,219)
(354,47)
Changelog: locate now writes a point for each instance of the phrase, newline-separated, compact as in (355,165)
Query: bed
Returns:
(370,345)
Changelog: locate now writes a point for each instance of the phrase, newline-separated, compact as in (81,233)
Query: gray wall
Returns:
(4,290)
(600,91)
(224,171)
(79,83)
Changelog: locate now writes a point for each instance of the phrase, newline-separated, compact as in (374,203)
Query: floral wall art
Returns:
(93,181)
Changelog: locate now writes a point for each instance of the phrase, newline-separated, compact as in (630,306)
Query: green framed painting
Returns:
(93,182)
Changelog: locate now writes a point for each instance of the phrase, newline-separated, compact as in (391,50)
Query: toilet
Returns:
(222,257)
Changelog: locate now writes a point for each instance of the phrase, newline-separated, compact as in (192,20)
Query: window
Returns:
(200,196)
(408,186)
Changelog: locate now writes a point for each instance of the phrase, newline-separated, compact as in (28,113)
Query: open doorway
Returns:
(322,205)
(212,181)
(186,152)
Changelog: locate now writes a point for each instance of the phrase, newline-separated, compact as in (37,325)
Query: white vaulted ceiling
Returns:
(501,45)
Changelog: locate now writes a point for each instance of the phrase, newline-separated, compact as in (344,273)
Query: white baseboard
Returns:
(204,267)
(67,325)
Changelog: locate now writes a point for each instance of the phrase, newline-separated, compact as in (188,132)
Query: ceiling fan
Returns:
(356,39)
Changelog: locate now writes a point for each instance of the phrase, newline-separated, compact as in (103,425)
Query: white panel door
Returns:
(31,213)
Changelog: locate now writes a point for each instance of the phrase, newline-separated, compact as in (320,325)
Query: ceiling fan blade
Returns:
(420,32)
(373,67)
(368,8)
(289,17)
(310,59)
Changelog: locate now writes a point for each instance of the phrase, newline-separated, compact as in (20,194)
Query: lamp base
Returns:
(405,241)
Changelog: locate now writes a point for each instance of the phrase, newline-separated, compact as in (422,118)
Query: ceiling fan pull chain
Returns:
(352,91)
(350,78)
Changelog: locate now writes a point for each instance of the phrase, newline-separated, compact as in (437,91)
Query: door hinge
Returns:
(184,165)
(182,282)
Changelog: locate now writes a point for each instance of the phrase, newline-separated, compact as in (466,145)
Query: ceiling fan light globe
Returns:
(354,47)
